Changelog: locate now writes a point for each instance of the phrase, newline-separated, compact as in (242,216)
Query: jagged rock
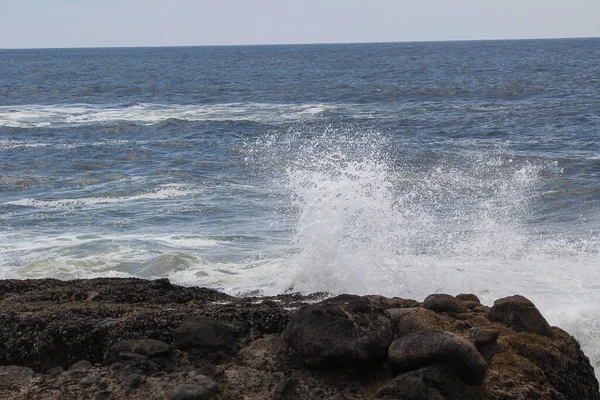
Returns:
(48,323)
(468,297)
(204,333)
(520,314)
(145,347)
(483,336)
(444,303)
(565,366)
(438,382)
(345,330)
(422,349)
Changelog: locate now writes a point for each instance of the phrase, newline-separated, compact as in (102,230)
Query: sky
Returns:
(123,23)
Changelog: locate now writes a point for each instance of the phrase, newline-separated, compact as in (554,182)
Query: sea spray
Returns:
(369,222)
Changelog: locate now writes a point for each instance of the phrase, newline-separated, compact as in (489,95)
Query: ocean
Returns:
(400,169)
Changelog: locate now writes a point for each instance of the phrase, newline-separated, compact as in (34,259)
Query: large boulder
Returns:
(425,348)
(345,330)
(520,314)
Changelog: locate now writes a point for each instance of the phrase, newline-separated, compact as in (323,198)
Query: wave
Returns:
(165,192)
(52,116)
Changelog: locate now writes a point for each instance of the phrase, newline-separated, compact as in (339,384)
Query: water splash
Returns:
(372,218)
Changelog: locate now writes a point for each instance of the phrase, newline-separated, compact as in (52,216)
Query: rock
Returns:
(132,381)
(13,377)
(444,303)
(438,382)
(468,297)
(202,389)
(483,336)
(81,365)
(345,330)
(90,380)
(425,348)
(204,333)
(55,371)
(563,363)
(285,390)
(407,320)
(520,314)
(145,347)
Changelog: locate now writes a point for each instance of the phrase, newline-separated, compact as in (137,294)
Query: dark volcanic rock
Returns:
(444,303)
(439,382)
(520,314)
(468,297)
(204,333)
(202,388)
(422,349)
(145,347)
(122,327)
(482,336)
(345,330)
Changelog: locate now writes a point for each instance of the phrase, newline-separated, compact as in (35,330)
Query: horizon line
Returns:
(295,44)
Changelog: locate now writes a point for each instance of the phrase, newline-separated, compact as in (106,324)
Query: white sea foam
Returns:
(41,116)
(370,223)
(166,192)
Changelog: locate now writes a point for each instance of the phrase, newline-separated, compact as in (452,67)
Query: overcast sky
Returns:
(99,23)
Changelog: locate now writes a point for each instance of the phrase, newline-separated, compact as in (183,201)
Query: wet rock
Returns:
(204,333)
(468,297)
(425,348)
(145,347)
(444,303)
(345,330)
(439,382)
(563,363)
(520,314)
(81,365)
(483,336)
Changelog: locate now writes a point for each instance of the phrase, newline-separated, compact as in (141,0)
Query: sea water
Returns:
(400,169)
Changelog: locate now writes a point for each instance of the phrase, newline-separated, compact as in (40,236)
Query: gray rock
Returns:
(444,303)
(145,347)
(425,348)
(520,314)
(345,330)
(90,380)
(202,389)
(483,336)
(81,365)
(204,333)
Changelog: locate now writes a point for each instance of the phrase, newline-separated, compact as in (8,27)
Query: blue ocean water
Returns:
(399,169)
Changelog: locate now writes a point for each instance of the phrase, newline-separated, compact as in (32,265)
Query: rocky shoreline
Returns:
(113,338)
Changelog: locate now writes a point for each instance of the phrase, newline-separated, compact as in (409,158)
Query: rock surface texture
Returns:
(135,339)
